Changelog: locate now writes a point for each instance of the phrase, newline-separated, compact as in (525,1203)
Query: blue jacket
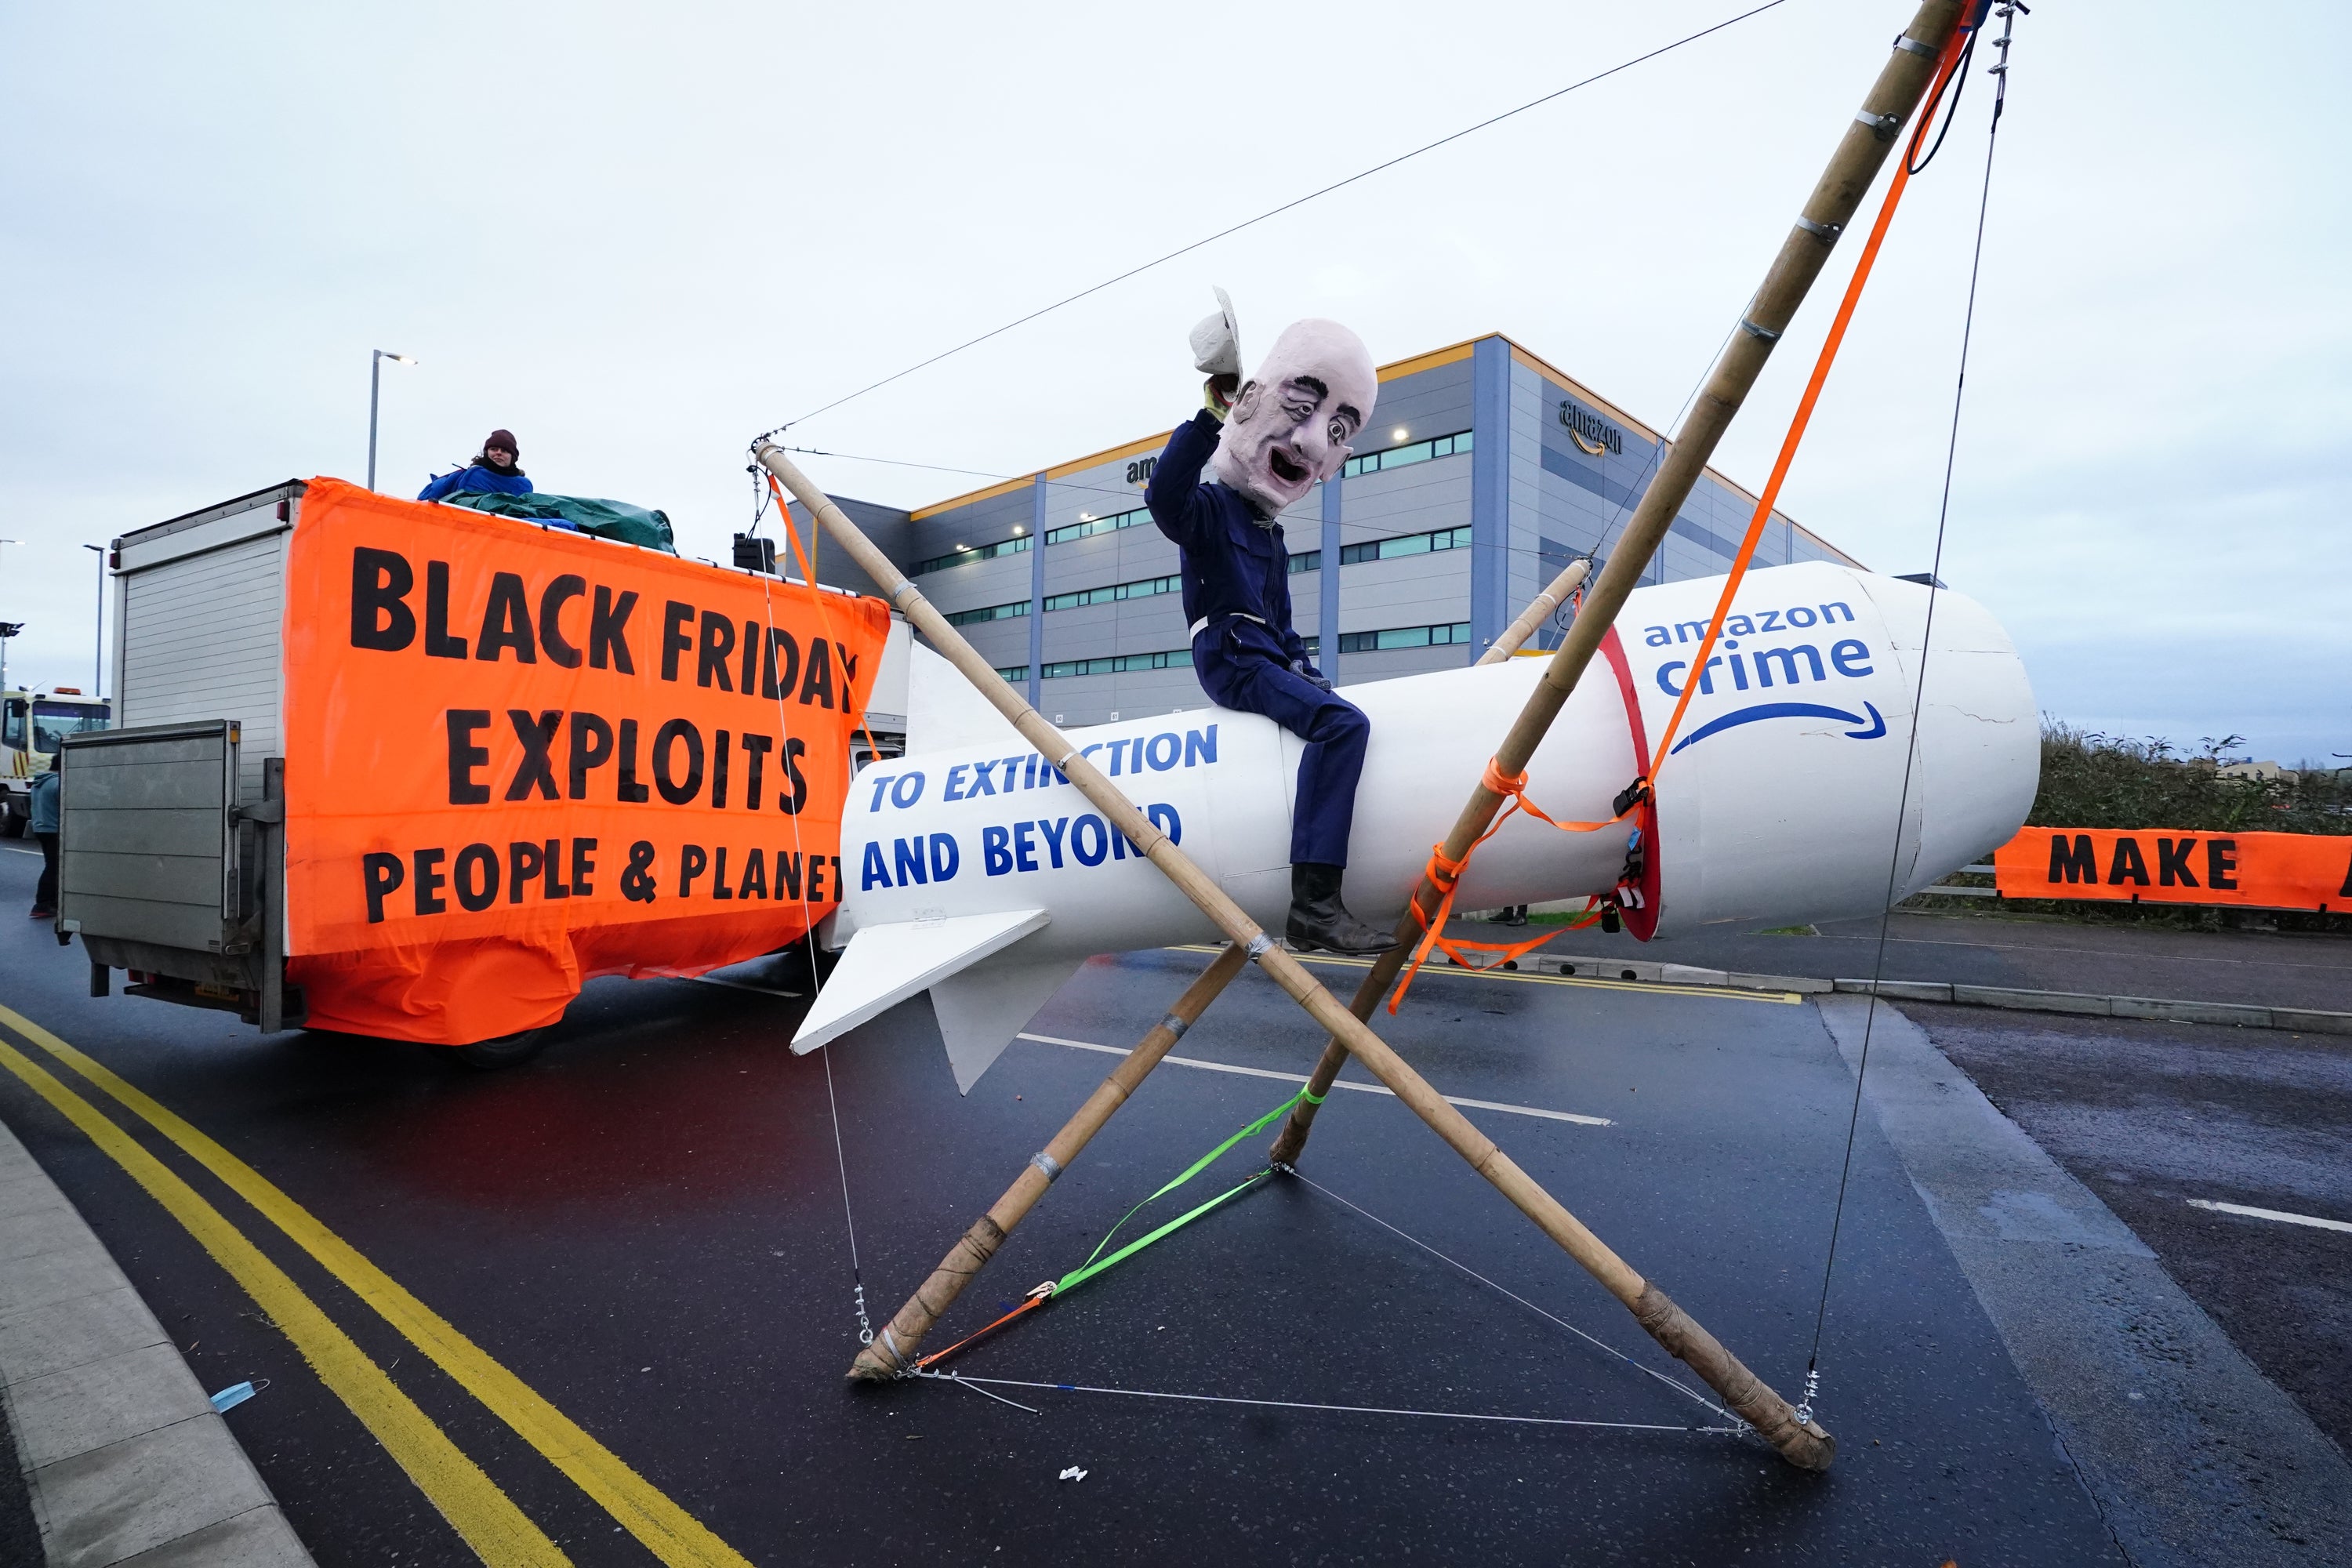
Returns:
(1233,564)
(44,802)
(476,476)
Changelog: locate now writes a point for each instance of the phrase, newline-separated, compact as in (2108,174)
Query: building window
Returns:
(1408,544)
(1307,561)
(1416,452)
(1404,637)
(1144,589)
(1013,672)
(1013,546)
(1087,528)
(990,613)
(1179,659)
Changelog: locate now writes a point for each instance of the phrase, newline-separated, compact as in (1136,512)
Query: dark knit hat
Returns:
(502,438)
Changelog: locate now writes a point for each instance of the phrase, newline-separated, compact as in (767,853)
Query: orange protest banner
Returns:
(518,758)
(2174,866)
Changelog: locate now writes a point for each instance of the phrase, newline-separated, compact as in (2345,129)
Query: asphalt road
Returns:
(2149,1116)
(646,1226)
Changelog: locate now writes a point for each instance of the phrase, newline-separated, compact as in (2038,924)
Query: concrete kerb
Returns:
(2302,1020)
(123,1455)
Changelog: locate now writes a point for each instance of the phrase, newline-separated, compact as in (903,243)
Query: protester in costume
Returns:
(494,471)
(1267,441)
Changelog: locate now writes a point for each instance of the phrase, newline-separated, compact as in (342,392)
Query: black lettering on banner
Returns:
(424,886)
(790,805)
(438,643)
(848,676)
(788,874)
(676,638)
(536,769)
(628,788)
(755,760)
(746,681)
(2222,864)
(721,748)
(693,859)
(551,608)
(506,623)
(755,875)
(465,756)
(525,861)
(2172,863)
(554,860)
(817,685)
(710,657)
(583,866)
(608,629)
(2075,859)
(677,792)
(380,617)
(637,882)
(384,873)
(782,666)
(2128,863)
(475,876)
(2346,891)
(591,747)
(816,877)
(719,888)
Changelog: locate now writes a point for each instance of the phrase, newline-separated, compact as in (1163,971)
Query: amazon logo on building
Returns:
(1592,434)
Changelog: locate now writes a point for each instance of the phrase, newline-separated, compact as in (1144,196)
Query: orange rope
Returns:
(1447,875)
(1755,536)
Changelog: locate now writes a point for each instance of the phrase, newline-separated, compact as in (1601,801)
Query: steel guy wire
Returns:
(2008,13)
(1277,212)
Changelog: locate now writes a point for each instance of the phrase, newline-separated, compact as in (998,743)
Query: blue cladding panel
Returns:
(1037,588)
(1326,621)
(1490,495)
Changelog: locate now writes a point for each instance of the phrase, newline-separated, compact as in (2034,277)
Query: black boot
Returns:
(1317,918)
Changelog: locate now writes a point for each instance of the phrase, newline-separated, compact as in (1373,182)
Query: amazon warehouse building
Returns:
(1484,472)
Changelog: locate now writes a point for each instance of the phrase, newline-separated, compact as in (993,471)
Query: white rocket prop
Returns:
(975,872)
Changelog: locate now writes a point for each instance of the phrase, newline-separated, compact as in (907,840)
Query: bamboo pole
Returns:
(978,1245)
(1804,1444)
(893,1349)
(1852,168)
(1538,609)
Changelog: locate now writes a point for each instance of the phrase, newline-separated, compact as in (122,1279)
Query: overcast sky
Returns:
(639,236)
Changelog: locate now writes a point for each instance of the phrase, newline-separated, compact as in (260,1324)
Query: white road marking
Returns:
(14,850)
(2251,1213)
(1342,1083)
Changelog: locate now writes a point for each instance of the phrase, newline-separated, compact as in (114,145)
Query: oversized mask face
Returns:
(1292,421)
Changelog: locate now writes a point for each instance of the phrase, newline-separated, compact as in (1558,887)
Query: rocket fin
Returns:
(980,1008)
(885,965)
(943,711)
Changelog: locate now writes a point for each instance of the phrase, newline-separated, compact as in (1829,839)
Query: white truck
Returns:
(172,865)
(32,724)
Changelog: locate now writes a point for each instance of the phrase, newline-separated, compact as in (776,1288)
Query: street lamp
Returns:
(376,397)
(98,653)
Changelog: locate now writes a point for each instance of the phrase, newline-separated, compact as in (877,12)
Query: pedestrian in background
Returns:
(44,827)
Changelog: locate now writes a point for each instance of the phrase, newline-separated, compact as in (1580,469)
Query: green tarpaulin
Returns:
(606,518)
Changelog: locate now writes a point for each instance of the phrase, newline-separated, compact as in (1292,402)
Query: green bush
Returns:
(2090,780)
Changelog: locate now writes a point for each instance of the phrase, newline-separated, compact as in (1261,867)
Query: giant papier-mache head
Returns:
(1292,422)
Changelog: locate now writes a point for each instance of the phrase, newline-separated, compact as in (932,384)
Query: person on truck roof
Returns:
(493,470)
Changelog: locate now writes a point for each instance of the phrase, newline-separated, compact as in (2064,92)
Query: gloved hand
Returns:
(1310,673)
(1217,354)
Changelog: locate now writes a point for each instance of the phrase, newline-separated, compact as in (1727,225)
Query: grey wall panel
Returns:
(161,830)
(200,640)
(193,926)
(1427,403)
(163,878)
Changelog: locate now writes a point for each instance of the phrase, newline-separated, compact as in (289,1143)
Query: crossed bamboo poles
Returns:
(1852,168)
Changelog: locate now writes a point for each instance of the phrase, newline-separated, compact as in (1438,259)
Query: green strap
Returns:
(1311,1098)
(1090,1268)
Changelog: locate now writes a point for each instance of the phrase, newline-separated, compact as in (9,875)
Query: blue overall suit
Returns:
(1237,600)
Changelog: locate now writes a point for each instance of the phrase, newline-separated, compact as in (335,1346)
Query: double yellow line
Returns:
(489,1521)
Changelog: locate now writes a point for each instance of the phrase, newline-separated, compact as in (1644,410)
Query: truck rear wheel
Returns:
(11,824)
(505,1050)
